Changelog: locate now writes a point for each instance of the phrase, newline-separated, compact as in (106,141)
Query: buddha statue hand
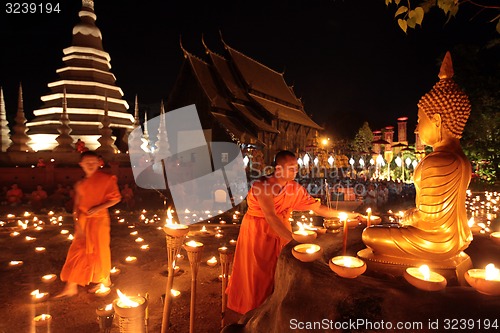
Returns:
(410,218)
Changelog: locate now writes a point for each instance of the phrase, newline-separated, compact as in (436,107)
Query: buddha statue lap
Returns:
(436,230)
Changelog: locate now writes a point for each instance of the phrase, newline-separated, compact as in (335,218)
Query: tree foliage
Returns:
(363,140)
(479,75)
(409,15)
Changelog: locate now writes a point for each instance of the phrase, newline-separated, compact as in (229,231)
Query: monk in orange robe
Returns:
(265,230)
(89,256)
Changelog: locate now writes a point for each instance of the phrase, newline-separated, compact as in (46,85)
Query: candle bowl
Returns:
(332,224)
(176,230)
(42,320)
(477,280)
(126,311)
(495,237)
(304,236)
(49,278)
(347,267)
(307,252)
(374,220)
(414,277)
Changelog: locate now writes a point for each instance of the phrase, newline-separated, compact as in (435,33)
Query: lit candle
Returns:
(212,261)
(134,233)
(139,240)
(105,311)
(232,242)
(131,259)
(425,279)
(102,291)
(37,296)
(369,217)
(222,221)
(145,247)
(307,252)
(14,234)
(485,281)
(39,249)
(42,320)
(174,229)
(49,278)
(114,271)
(194,244)
(304,236)
(343,218)
(128,302)
(219,235)
(174,292)
(204,230)
(495,237)
(64,232)
(346,266)
(15,263)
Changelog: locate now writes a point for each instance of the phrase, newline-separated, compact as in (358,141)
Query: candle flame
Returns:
(426,272)
(347,261)
(102,289)
(471,222)
(108,307)
(310,250)
(343,216)
(369,210)
(125,301)
(174,292)
(192,243)
(170,218)
(492,273)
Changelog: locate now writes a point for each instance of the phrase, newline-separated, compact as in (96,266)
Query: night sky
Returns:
(348,60)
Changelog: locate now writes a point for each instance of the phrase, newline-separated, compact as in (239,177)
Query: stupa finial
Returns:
(88,4)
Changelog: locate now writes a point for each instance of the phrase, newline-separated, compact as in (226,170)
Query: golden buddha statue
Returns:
(436,230)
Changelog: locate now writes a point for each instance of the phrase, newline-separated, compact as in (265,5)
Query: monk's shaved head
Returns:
(282,157)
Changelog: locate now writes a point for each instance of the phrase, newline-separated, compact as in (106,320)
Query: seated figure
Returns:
(437,228)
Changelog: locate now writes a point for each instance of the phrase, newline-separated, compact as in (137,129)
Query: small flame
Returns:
(174,292)
(311,250)
(343,216)
(347,261)
(192,243)
(426,272)
(108,307)
(125,301)
(169,216)
(492,273)
(471,222)
(102,289)
(369,210)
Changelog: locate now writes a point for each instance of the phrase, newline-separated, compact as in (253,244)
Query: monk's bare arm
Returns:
(102,206)
(264,196)
(330,212)
(76,202)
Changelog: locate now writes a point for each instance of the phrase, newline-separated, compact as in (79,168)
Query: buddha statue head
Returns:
(446,105)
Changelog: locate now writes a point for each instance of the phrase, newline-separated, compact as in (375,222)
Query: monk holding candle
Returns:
(265,230)
(89,256)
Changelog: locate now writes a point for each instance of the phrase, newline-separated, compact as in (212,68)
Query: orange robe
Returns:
(89,256)
(258,248)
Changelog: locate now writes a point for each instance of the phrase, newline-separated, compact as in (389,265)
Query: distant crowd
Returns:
(61,197)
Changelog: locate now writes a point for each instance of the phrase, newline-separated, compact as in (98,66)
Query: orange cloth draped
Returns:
(258,248)
(89,256)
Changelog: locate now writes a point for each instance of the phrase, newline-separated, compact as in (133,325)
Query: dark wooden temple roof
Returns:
(261,78)
(259,123)
(222,67)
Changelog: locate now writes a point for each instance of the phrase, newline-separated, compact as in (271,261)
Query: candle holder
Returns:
(175,234)
(212,262)
(194,250)
(486,281)
(307,252)
(105,316)
(332,224)
(42,320)
(49,278)
(495,237)
(131,312)
(103,291)
(304,236)
(38,297)
(347,266)
(423,278)
(374,220)
(226,255)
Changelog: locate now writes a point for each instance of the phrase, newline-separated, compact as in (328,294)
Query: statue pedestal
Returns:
(452,269)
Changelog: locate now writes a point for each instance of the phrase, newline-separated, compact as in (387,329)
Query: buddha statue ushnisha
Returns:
(437,229)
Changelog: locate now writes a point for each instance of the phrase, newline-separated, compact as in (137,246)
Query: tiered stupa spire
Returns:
(87,78)
(106,139)
(4,128)
(19,137)
(64,140)
(162,147)
(134,140)
(145,135)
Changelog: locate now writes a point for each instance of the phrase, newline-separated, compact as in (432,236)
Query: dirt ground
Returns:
(147,276)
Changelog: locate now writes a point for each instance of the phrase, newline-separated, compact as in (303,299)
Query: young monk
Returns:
(265,230)
(89,256)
